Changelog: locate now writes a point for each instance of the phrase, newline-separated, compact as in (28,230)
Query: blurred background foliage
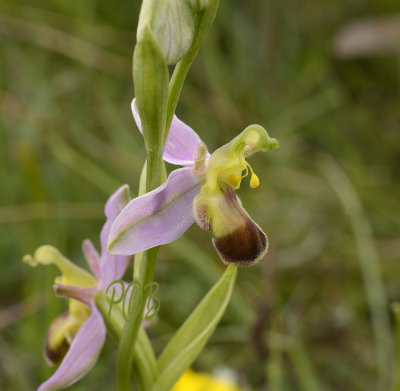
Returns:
(315,313)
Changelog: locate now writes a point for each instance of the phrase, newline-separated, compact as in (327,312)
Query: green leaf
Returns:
(192,336)
(150,76)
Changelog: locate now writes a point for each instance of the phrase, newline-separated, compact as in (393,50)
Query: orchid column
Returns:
(169,32)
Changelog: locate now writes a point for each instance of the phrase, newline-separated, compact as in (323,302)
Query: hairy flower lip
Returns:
(55,356)
(242,241)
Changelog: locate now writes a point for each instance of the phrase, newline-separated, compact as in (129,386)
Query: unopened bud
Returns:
(199,5)
(172,24)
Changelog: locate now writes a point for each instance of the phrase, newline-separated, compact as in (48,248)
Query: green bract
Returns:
(150,74)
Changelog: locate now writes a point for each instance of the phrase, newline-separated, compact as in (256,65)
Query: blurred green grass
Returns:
(302,319)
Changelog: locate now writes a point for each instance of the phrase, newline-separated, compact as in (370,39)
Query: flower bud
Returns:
(198,5)
(172,24)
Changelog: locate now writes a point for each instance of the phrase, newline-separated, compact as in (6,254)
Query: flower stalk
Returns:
(150,75)
(143,272)
(204,18)
(144,367)
(156,103)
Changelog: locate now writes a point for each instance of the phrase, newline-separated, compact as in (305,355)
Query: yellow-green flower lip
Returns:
(72,274)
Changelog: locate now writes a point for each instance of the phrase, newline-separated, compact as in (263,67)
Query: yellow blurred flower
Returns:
(193,381)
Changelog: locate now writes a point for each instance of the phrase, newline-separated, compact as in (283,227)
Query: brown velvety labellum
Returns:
(55,356)
(246,244)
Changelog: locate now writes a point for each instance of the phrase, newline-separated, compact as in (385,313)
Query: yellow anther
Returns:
(254,181)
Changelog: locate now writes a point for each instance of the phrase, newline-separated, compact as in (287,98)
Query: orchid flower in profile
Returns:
(202,191)
(74,339)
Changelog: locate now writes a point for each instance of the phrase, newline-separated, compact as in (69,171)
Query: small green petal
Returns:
(71,274)
(227,163)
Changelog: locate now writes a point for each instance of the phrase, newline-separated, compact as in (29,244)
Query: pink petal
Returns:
(113,266)
(182,143)
(81,356)
(158,217)
(92,257)
(85,294)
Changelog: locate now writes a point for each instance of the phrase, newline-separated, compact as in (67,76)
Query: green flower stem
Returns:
(203,22)
(144,358)
(145,262)
(143,273)
(154,168)
(144,266)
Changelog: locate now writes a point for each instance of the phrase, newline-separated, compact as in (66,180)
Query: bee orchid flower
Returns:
(74,339)
(202,191)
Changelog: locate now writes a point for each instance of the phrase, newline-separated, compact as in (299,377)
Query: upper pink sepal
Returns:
(182,143)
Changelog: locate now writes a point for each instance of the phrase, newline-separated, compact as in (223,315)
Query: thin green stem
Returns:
(144,367)
(176,84)
(203,22)
(145,262)
(143,274)
(154,169)
(144,266)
